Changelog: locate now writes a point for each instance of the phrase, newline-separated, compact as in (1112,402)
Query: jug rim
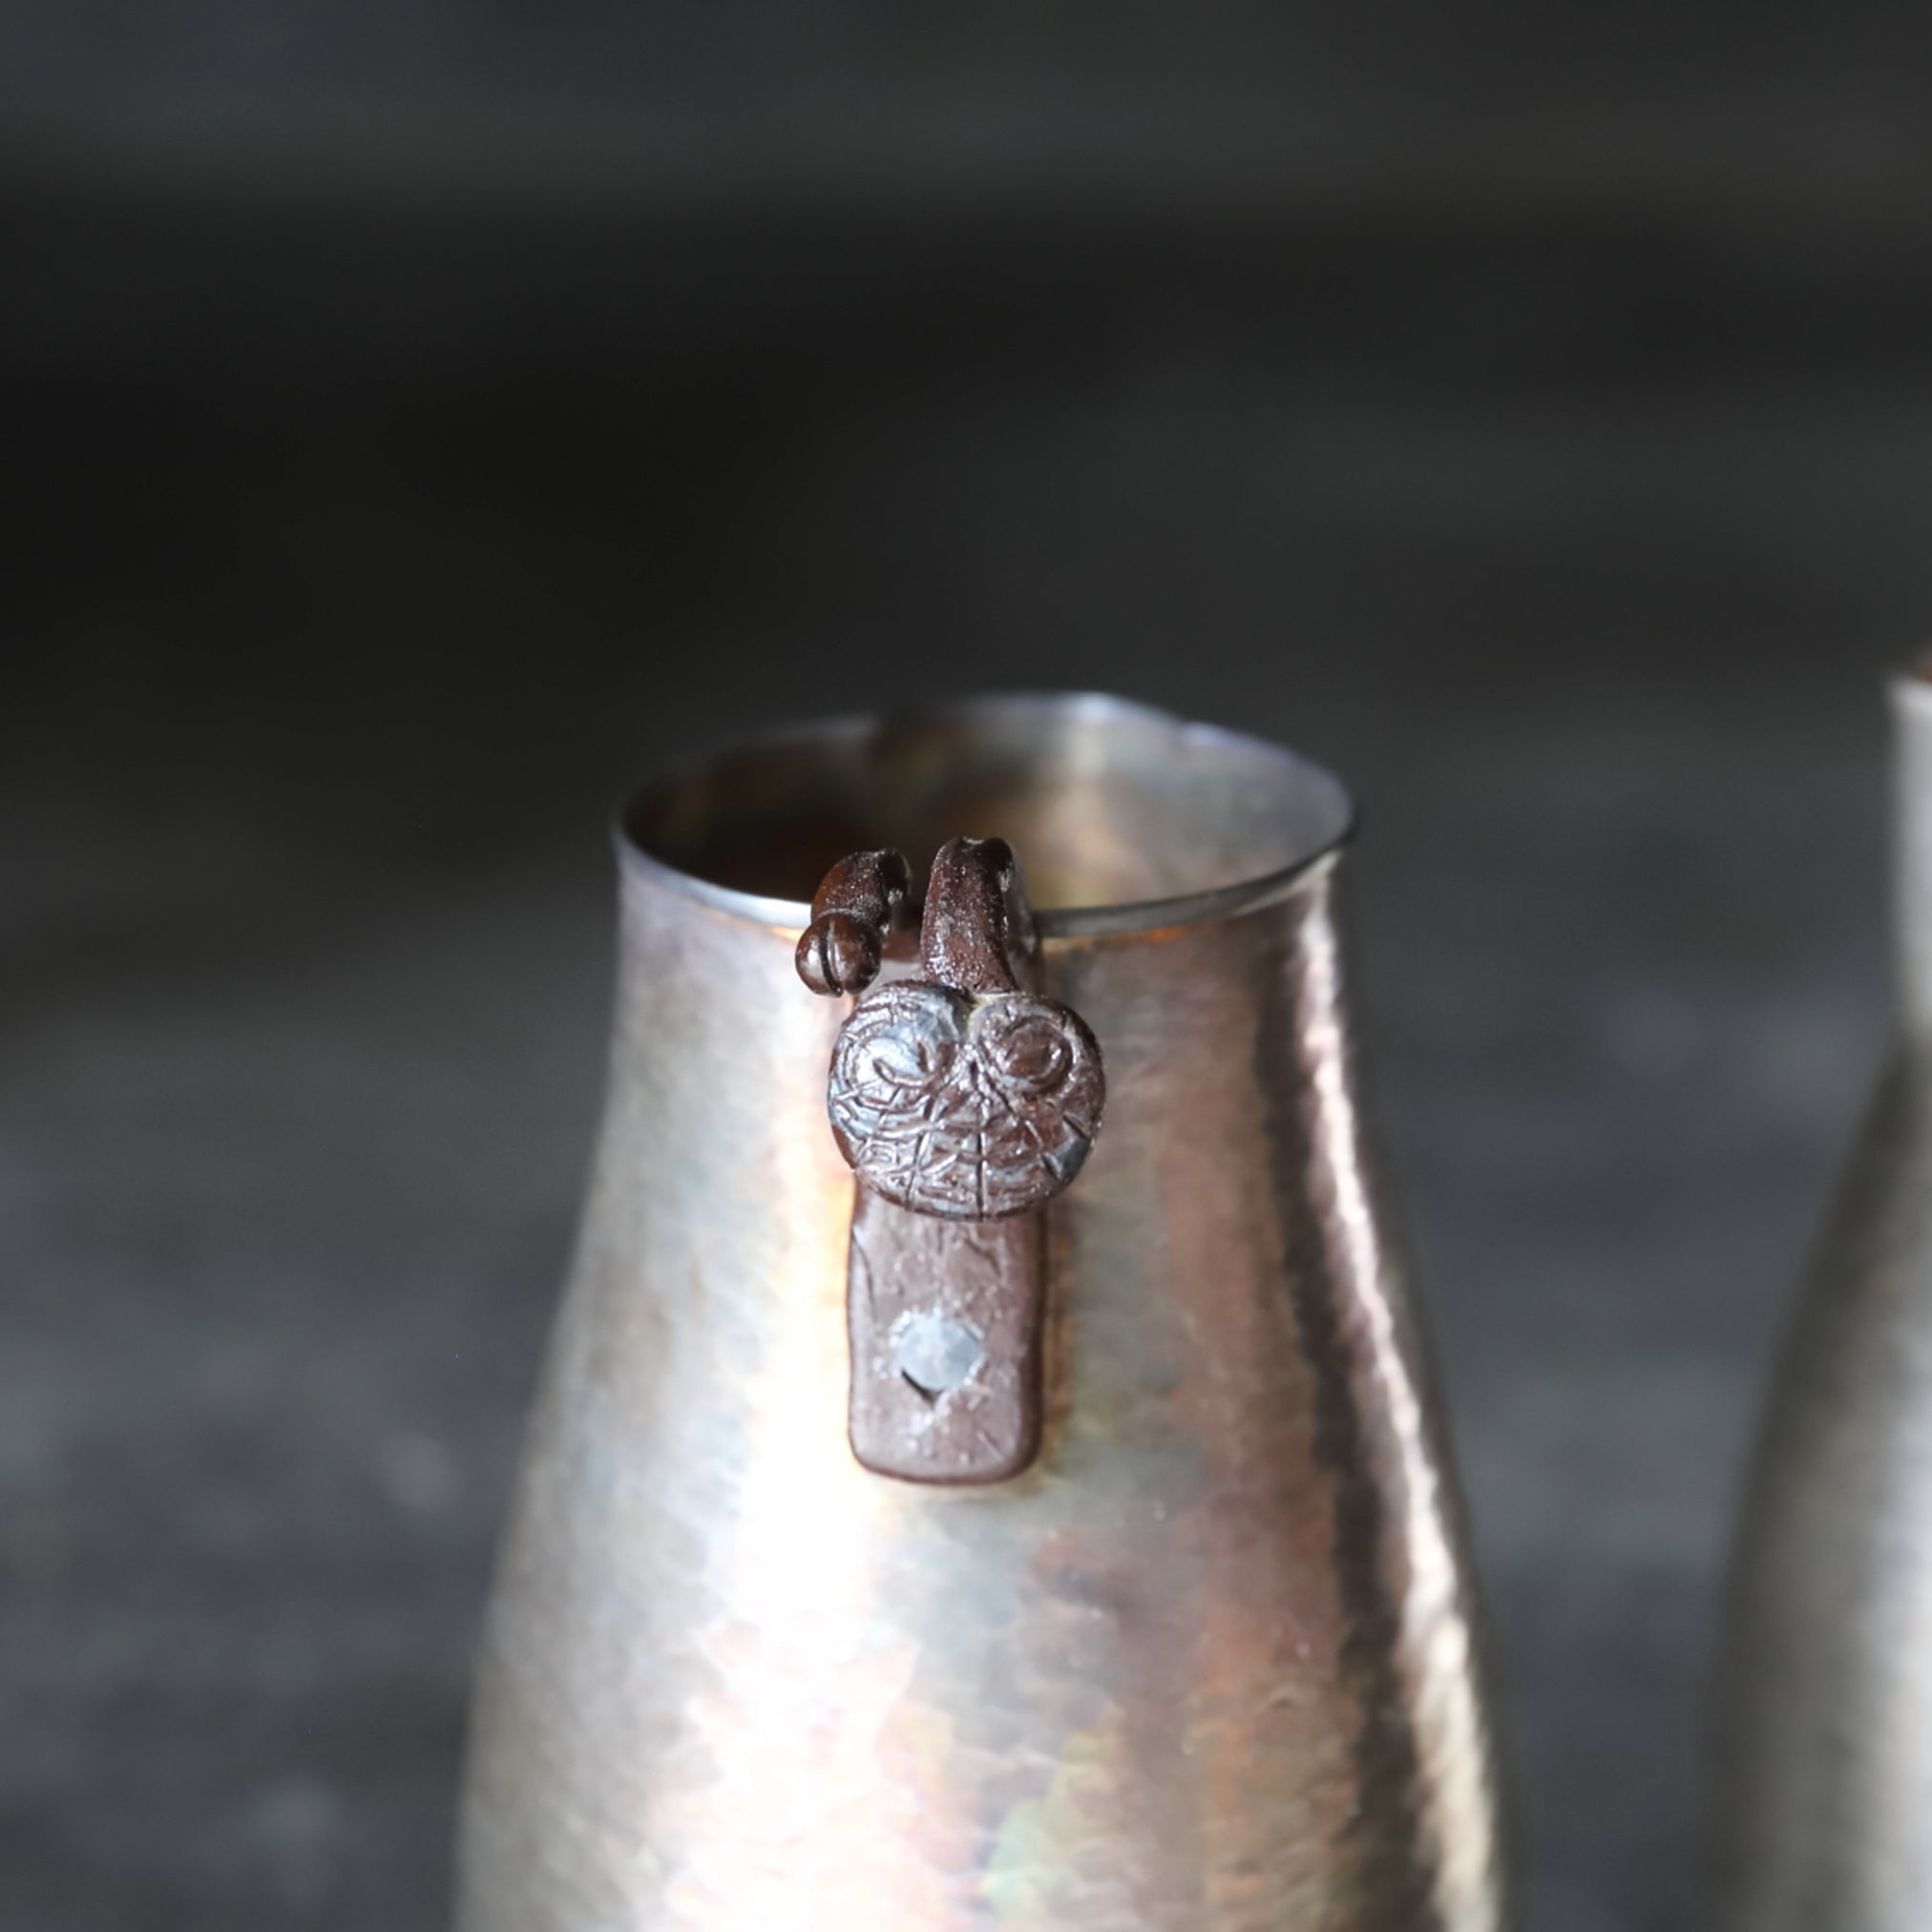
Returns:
(1331,809)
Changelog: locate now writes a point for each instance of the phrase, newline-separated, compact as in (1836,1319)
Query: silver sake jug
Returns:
(1824,1813)
(1181,1641)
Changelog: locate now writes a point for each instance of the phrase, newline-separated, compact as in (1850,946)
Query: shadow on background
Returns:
(420,419)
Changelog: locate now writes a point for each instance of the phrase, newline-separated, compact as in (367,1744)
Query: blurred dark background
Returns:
(417,417)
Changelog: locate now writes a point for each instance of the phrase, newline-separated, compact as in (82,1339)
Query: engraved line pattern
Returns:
(970,1108)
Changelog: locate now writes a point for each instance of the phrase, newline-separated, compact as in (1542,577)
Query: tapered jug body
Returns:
(1210,1663)
(1825,1775)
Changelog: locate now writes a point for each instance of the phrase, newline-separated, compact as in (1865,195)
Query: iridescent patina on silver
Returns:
(1211,1664)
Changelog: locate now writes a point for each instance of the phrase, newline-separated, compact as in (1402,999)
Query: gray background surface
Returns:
(402,451)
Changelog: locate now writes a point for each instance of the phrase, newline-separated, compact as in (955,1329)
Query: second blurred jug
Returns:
(1187,1644)
(1825,1814)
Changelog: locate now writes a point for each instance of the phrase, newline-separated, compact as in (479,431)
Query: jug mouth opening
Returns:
(1126,818)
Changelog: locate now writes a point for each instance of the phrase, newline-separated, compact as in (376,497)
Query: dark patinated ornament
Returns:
(968,1109)
(964,1102)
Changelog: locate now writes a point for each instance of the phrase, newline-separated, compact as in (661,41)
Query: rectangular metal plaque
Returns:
(945,1321)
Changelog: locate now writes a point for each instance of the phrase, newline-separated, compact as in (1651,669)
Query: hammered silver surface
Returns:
(1211,1665)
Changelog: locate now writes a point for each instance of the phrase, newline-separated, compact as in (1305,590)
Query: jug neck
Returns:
(1912,846)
